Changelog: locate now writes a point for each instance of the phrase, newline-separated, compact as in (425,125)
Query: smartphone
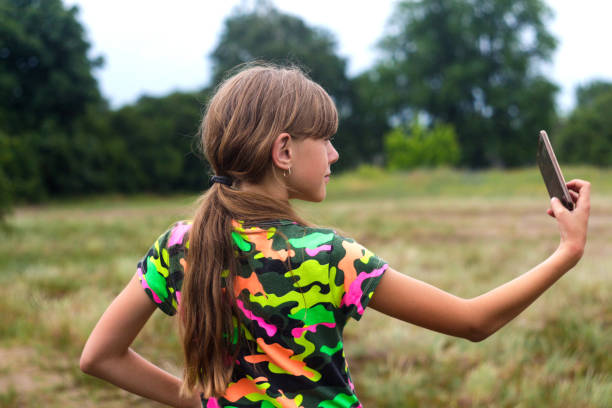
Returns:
(551,172)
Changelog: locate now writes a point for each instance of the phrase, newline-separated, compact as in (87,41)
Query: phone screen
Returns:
(551,172)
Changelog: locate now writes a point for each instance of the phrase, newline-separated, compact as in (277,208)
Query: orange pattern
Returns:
(244,386)
(264,245)
(251,283)
(259,237)
(354,251)
(184,264)
(286,402)
(280,356)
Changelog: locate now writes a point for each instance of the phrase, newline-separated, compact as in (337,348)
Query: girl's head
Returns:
(265,126)
(257,113)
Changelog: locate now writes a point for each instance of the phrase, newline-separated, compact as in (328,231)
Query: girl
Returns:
(262,295)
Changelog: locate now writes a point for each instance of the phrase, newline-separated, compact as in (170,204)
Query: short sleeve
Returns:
(161,270)
(359,270)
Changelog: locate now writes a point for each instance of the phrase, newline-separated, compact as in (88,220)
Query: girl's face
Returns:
(311,168)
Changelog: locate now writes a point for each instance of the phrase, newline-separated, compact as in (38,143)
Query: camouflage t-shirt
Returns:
(294,316)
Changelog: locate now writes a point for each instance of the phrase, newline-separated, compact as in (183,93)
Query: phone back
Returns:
(551,173)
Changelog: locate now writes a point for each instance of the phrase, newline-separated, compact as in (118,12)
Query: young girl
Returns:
(262,295)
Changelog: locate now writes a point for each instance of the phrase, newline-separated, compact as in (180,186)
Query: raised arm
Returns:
(419,303)
(107,353)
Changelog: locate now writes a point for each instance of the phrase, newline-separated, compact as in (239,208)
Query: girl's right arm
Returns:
(107,353)
(419,303)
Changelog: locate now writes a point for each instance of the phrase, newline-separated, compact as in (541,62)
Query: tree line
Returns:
(458,82)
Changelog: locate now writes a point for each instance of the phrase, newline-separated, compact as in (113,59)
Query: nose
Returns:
(332,153)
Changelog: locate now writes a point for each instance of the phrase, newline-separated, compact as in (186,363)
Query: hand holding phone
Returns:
(551,172)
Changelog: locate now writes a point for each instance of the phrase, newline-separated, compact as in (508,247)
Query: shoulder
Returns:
(161,270)
(310,239)
(176,235)
(351,267)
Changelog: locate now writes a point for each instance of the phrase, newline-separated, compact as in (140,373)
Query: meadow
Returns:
(465,232)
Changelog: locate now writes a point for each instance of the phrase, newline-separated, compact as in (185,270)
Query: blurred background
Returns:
(93,91)
(440,102)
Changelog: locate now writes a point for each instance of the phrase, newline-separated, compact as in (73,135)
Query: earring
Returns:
(285,172)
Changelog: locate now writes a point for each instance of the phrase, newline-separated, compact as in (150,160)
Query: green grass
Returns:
(465,232)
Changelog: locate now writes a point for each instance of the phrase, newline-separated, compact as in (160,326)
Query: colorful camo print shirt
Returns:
(294,316)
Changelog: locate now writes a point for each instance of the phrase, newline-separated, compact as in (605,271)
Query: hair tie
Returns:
(221,179)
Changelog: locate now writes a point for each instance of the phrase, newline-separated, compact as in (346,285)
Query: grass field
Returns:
(466,232)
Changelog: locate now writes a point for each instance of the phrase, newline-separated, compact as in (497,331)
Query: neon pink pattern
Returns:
(269,328)
(354,294)
(212,403)
(297,332)
(177,234)
(315,251)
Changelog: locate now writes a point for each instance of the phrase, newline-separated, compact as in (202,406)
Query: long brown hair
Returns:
(242,120)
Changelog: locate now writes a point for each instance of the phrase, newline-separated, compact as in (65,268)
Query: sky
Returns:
(155,47)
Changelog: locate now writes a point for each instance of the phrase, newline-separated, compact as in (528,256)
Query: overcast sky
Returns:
(154,47)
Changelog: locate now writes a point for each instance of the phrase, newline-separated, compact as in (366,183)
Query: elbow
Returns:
(477,327)
(91,362)
(477,335)
(87,364)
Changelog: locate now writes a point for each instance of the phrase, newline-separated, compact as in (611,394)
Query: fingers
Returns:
(583,188)
(577,184)
(556,207)
(580,191)
(574,195)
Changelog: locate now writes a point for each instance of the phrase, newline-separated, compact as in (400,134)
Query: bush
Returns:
(421,147)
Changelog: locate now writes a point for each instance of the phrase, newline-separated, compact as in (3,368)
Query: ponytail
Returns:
(206,307)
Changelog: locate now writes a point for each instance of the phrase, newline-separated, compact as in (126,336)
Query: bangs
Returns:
(317,114)
(326,119)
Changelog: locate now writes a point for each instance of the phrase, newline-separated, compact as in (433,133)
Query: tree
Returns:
(264,33)
(589,94)
(472,64)
(367,121)
(46,88)
(45,74)
(586,136)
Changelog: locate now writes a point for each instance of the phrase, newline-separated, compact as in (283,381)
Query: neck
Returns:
(269,186)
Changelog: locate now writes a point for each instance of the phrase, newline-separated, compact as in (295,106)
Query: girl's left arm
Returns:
(417,302)
(107,353)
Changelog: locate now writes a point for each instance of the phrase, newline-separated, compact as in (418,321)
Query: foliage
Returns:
(46,88)
(159,137)
(45,73)
(363,128)
(472,64)
(59,137)
(421,147)
(586,136)
(587,94)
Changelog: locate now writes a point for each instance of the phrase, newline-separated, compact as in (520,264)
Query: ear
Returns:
(282,153)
